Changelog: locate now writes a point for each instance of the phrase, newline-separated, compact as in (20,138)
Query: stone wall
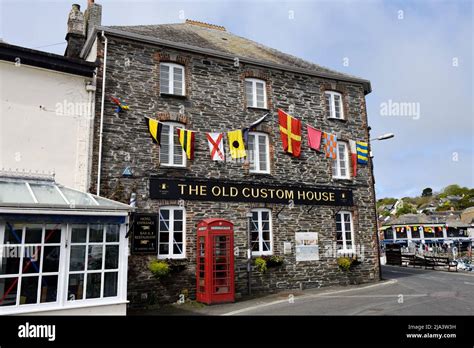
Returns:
(214,102)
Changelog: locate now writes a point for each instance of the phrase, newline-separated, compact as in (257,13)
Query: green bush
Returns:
(274,260)
(261,264)
(159,269)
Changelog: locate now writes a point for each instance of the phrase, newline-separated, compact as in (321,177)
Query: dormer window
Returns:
(334,107)
(256,93)
(172,79)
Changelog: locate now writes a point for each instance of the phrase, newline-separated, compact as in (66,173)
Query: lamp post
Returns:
(249,253)
(380,137)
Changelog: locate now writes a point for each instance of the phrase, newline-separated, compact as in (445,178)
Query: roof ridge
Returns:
(205,25)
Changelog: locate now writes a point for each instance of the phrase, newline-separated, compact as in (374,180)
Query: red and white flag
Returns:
(353,148)
(216,146)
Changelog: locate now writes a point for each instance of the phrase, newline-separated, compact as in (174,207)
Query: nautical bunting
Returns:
(216,146)
(314,138)
(186,139)
(330,145)
(154,127)
(352,146)
(290,132)
(252,127)
(362,152)
(120,105)
(236,144)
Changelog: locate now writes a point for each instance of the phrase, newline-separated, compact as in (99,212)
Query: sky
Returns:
(418,56)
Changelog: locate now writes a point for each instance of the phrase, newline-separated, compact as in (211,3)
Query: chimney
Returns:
(93,17)
(75,36)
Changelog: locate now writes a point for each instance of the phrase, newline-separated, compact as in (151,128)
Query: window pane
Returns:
(249,93)
(8,291)
(328,105)
(29,290)
(96,233)
(252,156)
(177,248)
(164,214)
(51,259)
(164,249)
(164,78)
(164,145)
(338,226)
(52,234)
(263,151)
(178,237)
(178,226)
(334,168)
(31,259)
(111,256)
(177,149)
(13,233)
(110,284)
(75,287)
(34,233)
(178,81)
(77,258)
(94,260)
(338,217)
(112,233)
(93,285)
(79,233)
(265,215)
(178,214)
(164,237)
(49,288)
(10,261)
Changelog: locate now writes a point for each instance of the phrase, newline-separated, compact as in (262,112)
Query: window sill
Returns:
(170,95)
(164,166)
(254,108)
(337,119)
(260,173)
(342,179)
(38,308)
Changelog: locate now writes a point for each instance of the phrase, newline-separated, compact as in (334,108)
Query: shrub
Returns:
(274,260)
(261,264)
(344,263)
(159,269)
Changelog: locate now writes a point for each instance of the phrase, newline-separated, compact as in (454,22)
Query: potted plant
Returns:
(261,264)
(344,263)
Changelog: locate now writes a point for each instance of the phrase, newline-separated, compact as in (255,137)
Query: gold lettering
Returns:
(310,195)
(216,191)
(289,194)
(325,196)
(203,190)
(193,191)
(271,192)
(263,193)
(255,193)
(245,192)
(233,191)
(182,186)
(224,193)
(332,197)
(280,194)
(317,196)
(301,195)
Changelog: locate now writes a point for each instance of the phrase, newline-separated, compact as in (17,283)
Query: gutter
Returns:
(155,41)
(99,169)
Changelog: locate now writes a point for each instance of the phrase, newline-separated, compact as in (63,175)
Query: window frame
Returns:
(62,302)
(344,249)
(172,67)
(332,106)
(254,103)
(260,251)
(337,162)
(172,255)
(171,146)
(256,152)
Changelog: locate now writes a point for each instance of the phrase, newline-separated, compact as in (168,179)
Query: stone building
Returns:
(199,76)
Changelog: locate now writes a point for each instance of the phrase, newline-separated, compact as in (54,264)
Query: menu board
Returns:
(145,234)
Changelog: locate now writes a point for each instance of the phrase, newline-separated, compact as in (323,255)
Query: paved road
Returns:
(409,292)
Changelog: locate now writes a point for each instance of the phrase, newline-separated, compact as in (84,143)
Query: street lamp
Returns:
(380,137)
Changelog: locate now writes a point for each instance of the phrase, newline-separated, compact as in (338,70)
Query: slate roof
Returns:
(409,219)
(216,38)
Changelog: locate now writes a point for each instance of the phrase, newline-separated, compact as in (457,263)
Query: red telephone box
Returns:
(215,261)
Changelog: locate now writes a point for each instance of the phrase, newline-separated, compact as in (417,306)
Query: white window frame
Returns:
(172,67)
(336,164)
(343,231)
(62,302)
(260,251)
(171,254)
(256,153)
(332,106)
(253,103)
(172,136)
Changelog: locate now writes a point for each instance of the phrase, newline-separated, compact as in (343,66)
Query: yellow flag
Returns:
(236,144)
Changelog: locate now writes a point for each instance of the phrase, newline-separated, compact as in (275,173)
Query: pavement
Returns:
(404,291)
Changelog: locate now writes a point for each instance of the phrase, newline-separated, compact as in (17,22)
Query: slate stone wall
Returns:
(215,101)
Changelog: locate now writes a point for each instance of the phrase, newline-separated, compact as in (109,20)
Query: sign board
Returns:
(307,248)
(228,191)
(145,234)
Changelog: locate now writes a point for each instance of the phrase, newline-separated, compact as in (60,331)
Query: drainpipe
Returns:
(99,169)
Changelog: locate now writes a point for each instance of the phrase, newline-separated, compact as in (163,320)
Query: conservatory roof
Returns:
(30,192)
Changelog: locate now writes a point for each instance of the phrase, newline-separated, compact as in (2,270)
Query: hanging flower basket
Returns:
(274,260)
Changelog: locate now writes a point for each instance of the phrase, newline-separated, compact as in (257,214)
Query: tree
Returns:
(427,192)
(406,209)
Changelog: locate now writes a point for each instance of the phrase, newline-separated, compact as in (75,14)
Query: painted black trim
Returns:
(46,60)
